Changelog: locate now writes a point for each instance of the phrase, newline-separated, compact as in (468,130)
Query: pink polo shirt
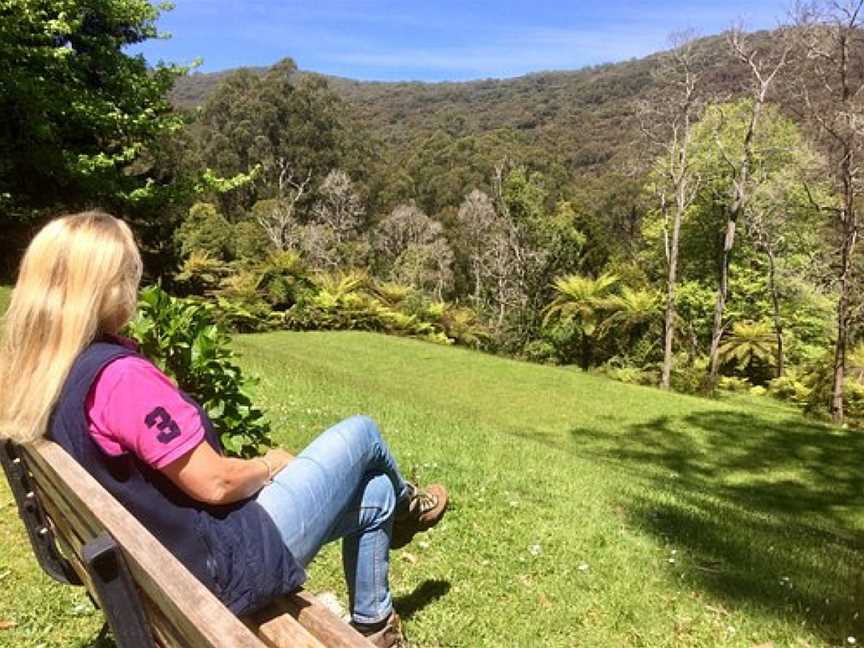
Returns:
(133,407)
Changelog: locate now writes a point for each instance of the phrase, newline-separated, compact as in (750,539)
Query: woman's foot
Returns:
(420,511)
(387,634)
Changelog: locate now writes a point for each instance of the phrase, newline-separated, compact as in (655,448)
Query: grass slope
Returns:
(585,512)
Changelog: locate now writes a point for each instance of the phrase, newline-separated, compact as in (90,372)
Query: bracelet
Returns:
(269,469)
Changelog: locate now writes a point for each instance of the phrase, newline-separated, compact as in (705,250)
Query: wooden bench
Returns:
(81,535)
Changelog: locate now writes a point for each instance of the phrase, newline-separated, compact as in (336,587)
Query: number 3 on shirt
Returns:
(168,429)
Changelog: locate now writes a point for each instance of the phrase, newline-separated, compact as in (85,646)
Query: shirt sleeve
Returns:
(134,407)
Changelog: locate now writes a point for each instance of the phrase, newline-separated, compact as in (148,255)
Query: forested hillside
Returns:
(586,118)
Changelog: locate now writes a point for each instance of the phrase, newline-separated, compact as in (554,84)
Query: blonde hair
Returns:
(79,277)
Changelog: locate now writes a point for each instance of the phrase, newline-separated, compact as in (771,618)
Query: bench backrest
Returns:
(179,609)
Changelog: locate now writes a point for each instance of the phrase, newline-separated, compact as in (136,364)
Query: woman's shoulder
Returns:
(131,370)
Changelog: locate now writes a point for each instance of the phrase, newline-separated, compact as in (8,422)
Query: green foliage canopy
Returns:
(77,113)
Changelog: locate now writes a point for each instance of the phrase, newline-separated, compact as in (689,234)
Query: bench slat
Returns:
(312,615)
(203,620)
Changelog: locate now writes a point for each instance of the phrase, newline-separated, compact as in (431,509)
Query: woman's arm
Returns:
(206,476)
(134,407)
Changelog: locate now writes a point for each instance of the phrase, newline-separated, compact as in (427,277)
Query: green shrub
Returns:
(540,351)
(853,393)
(789,387)
(689,377)
(734,384)
(241,317)
(438,338)
(631,375)
(283,280)
(201,273)
(458,323)
(180,337)
(250,241)
(206,230)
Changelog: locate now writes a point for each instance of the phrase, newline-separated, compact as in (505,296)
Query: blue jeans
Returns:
(345,484)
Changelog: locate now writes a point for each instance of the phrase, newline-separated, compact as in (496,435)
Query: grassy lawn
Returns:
(5,294)
(585,512)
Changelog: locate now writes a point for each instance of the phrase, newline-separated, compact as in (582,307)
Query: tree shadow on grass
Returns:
(763,512)
(428,592)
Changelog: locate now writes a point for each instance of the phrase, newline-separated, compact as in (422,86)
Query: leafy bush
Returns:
(201,273)
(689,377)
(250,241)
(459,323)
(734,384)
(853,393)
(789,387)
(540,351)
(283,280)
(241,317)
(205,230)
(631,375)
(180,337)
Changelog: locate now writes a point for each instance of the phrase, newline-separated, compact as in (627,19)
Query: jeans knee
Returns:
(379,494)
(366,428)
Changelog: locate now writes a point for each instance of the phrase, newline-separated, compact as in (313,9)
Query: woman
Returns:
(245,528)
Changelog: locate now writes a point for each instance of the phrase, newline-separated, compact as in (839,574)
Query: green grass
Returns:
(5,294)
(585,512)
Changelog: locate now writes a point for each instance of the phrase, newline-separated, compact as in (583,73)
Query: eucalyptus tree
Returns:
(775,215)
(829,83)
(278,215)
(784,228)
(483,237)
(763,65)
(667,125)
(288,128)
(339,206)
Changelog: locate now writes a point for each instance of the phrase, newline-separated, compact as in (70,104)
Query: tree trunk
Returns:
(587,347)
(666,374)
(837,414)
(850,234)
(775,301)
(722,295)
(775,304)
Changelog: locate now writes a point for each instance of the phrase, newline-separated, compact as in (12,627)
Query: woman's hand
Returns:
(278,459)
(206,476)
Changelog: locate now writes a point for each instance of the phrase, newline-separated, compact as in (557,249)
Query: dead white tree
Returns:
(277,215)
(339,206)
(482,232)
(416,249)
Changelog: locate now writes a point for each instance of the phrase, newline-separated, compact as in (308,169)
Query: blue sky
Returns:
(436,41)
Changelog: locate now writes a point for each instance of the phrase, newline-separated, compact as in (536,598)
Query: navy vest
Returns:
(235,551)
